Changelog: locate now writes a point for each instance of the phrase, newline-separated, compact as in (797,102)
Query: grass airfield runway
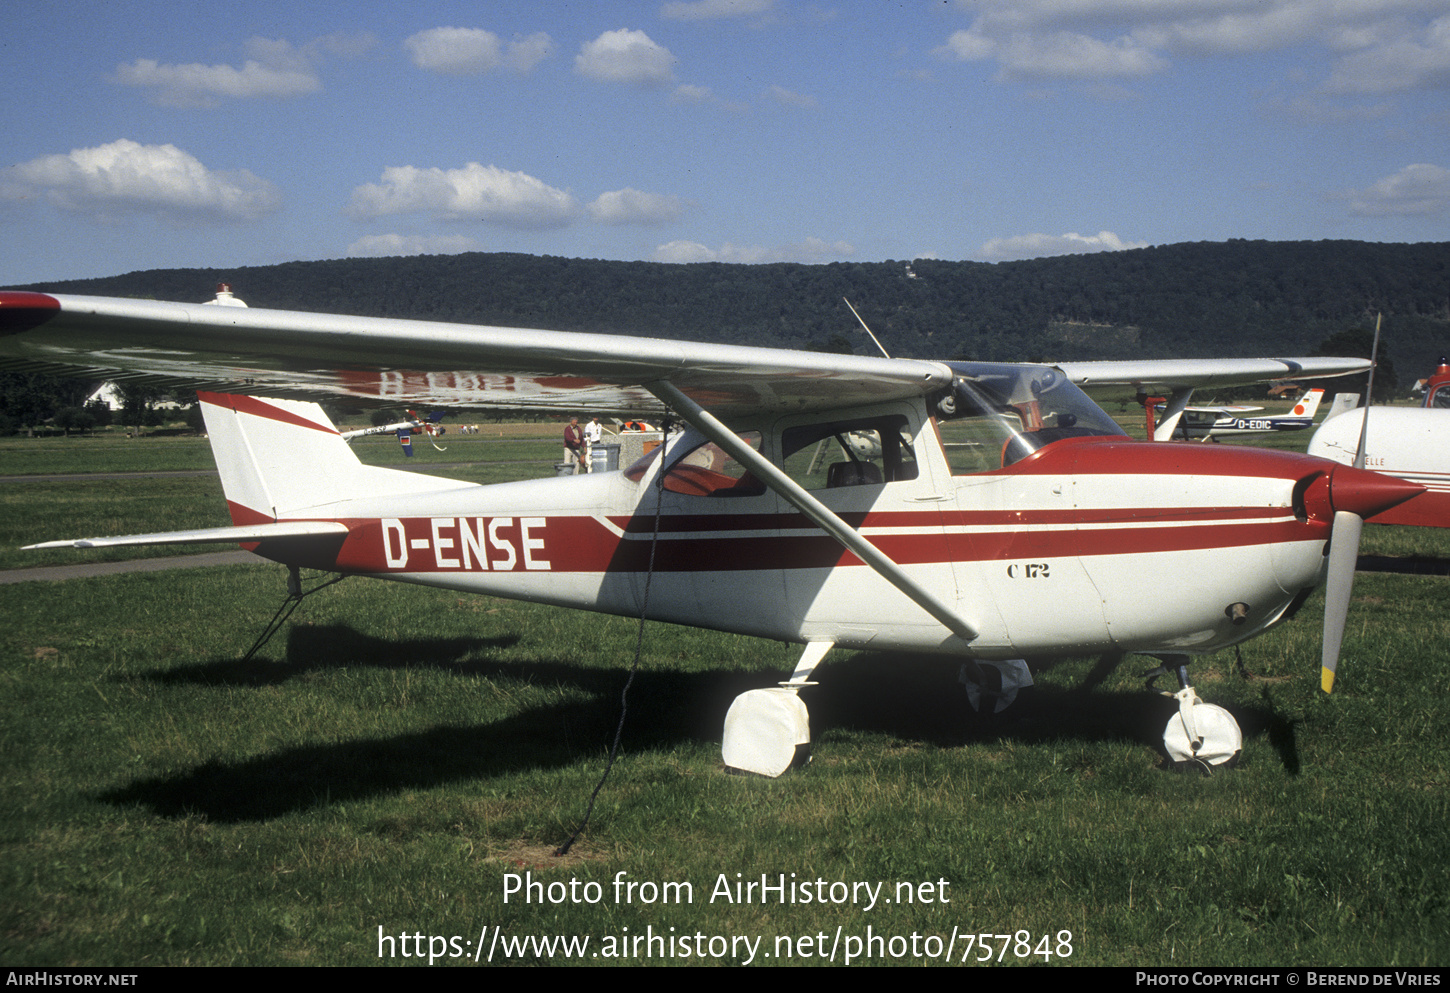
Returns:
(399,758)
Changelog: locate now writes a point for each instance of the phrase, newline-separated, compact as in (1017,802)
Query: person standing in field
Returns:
(593,434)
(573,444)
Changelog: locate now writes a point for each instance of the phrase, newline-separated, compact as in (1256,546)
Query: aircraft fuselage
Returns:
(1087,544)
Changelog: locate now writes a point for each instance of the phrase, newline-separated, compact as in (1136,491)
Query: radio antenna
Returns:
(868,330)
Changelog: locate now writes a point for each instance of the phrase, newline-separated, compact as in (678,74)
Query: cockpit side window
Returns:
(704,470)
(868,451)
(1440,399)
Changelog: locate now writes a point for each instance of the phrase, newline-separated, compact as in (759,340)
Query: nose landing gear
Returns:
(1201,735)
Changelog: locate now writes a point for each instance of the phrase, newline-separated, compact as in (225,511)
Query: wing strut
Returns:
(711,427)
(1171,415)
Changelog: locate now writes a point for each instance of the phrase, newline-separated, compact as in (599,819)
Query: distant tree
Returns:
(838,344)
(194,418)
(100,412)
(1358,342)
(138,405)
(70,419)
(31,399)
(1240,298)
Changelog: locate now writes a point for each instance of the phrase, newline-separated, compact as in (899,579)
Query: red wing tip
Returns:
(21,310)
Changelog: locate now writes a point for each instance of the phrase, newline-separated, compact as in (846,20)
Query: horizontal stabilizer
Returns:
(207,536)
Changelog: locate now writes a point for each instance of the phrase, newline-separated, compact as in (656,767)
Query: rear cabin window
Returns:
(705,470)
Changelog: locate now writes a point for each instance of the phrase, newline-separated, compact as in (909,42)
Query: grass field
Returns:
(398,757)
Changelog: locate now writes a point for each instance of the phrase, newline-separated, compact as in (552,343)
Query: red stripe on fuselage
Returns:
(583,544)
(736,540)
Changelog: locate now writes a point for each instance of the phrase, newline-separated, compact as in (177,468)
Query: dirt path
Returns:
(54,573)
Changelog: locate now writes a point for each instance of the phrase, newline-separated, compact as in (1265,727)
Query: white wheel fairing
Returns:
(1218,740)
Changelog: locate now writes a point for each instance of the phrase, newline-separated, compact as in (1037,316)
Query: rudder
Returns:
(285,459)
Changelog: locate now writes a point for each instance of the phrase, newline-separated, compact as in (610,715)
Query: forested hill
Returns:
(1194,300)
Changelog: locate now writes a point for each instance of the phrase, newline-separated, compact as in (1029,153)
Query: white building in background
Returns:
(106,394)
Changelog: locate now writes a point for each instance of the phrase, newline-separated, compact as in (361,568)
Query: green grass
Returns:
(80,507)
(114,452)
(396,752)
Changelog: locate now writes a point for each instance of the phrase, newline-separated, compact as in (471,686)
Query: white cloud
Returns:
(376,246)
(475,192)
(629,206)
(1204,18)
(626,56)
(1057,55)
(275,68)
(789,98)
(1032,246)
(1065,54)
(686,251)
(1416,190)
(197,85)
(809,251)
(704,10)
(455,51)
(470,51)
(1382,45)
(125,177)
(969,46)
(1388,63)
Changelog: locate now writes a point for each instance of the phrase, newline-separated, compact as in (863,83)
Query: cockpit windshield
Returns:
(997,414)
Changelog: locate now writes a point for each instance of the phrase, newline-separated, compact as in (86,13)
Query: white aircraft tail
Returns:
(1342,402)
(285,459)
(1308,404)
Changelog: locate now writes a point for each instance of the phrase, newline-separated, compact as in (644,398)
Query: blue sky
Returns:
(148,135)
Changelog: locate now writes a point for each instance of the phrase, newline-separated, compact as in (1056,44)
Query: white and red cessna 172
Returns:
(1412,443)
(984,511)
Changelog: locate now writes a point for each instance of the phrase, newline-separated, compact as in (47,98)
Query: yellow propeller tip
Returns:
(1326,680)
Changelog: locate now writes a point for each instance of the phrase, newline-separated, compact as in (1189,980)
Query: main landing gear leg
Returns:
(768,731)
(1201,735)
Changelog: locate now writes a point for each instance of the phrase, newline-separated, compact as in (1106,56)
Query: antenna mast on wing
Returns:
(868,330)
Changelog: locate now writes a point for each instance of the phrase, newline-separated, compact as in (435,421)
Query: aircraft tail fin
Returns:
(1308,404)
(285,458)
(1342,402)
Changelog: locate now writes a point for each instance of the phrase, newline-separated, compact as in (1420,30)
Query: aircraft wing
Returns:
(1164,377)
(386,362)
(390,362)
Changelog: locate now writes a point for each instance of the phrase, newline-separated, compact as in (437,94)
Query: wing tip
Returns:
(21,310)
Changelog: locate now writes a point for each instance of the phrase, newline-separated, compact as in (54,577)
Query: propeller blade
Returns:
(1355,494)
(1343,554)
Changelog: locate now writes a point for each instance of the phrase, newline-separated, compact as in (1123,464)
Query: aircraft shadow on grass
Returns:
(911,697)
